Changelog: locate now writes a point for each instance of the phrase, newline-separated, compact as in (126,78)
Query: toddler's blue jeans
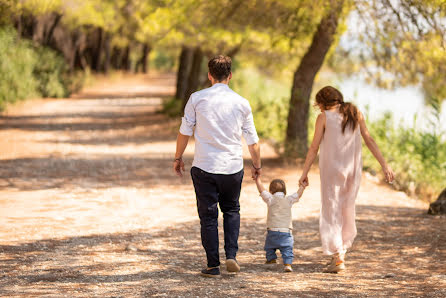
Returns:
(281,241)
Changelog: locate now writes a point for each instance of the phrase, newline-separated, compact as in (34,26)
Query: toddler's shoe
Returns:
(287,268)
(211,272)
(273,261)
(232,266)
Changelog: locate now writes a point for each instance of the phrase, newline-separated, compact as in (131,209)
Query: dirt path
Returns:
(89,207)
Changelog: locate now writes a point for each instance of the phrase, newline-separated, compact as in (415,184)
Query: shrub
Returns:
(51,72)
(17,62)
(418,157)
(173,107)
(27,71)
(269,101)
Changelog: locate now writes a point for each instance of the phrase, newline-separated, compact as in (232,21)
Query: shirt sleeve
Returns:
(249,130)
(293,198)
(189,119)
(267,197)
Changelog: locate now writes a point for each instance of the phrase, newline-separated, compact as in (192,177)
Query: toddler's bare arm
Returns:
(259,184)
(300,191)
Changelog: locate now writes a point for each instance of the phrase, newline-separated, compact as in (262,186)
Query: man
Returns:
(220,118)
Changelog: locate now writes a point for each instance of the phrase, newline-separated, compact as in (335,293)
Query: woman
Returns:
(340,164)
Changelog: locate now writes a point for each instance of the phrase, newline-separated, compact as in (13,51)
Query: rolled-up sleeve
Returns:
(267,197)
(249,130)
(294,198)
(189,119)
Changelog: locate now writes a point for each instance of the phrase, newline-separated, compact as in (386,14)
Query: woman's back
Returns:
(340,152)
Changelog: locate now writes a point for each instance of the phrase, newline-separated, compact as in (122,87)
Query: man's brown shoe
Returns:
(232,265)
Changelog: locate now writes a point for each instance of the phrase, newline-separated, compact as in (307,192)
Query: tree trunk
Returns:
(97,49)
(143,60)
(115,58)
(49,33)
(106,64)
(183,72)
(296,142)
(194,75)
(125,60)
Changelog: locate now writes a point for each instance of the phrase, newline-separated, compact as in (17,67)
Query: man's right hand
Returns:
(178,167)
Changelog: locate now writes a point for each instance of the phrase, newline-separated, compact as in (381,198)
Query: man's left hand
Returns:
(178,167)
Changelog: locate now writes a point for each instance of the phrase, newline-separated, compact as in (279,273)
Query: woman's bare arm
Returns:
(314,148)
(373,147)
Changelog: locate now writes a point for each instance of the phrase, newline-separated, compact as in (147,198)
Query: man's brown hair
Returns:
(220,67)
(277,185)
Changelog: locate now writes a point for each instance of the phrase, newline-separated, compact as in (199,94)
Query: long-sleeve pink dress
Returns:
(340,164)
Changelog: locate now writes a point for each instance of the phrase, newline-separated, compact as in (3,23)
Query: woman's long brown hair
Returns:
(329,96)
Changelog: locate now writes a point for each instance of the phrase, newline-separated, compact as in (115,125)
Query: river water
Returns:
(404,103)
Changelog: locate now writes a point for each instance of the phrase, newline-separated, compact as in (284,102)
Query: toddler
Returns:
(279,221)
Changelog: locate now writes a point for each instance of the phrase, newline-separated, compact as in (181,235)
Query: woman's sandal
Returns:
(336,265)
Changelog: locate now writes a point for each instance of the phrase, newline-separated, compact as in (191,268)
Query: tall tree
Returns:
(193,80)
(297,127)
(184,65)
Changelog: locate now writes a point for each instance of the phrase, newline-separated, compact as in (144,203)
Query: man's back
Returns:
(220,117)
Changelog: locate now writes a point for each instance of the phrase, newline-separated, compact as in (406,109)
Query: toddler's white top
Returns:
(279,210)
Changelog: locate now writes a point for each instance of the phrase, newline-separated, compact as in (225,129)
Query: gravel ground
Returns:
(89,207)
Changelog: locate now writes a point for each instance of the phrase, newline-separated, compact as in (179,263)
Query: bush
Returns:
(17,62)
(51,72)
(418,157)
(28,71)
(269,101)
(173,107)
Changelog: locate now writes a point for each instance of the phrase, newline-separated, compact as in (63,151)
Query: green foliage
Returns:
(51,73)
(162,60)
(269,103)
(173,107)
(17,62)
(400,43)
(418,157)
(28,71)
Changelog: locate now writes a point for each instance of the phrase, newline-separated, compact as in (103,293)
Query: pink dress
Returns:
(340,164)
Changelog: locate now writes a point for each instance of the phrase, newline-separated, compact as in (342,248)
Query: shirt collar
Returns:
(279,193)
(220,85)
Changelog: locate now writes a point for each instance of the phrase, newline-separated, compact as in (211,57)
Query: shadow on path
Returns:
(387,260)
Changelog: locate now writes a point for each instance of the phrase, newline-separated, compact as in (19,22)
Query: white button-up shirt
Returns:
(220,117)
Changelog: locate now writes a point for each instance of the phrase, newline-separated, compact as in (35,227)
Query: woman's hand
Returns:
(388,173)
(303,181)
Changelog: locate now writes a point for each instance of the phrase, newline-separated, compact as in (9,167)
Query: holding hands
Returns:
(303,181)
(255,172)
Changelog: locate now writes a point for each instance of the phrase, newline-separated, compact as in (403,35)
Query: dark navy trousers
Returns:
(212,190)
